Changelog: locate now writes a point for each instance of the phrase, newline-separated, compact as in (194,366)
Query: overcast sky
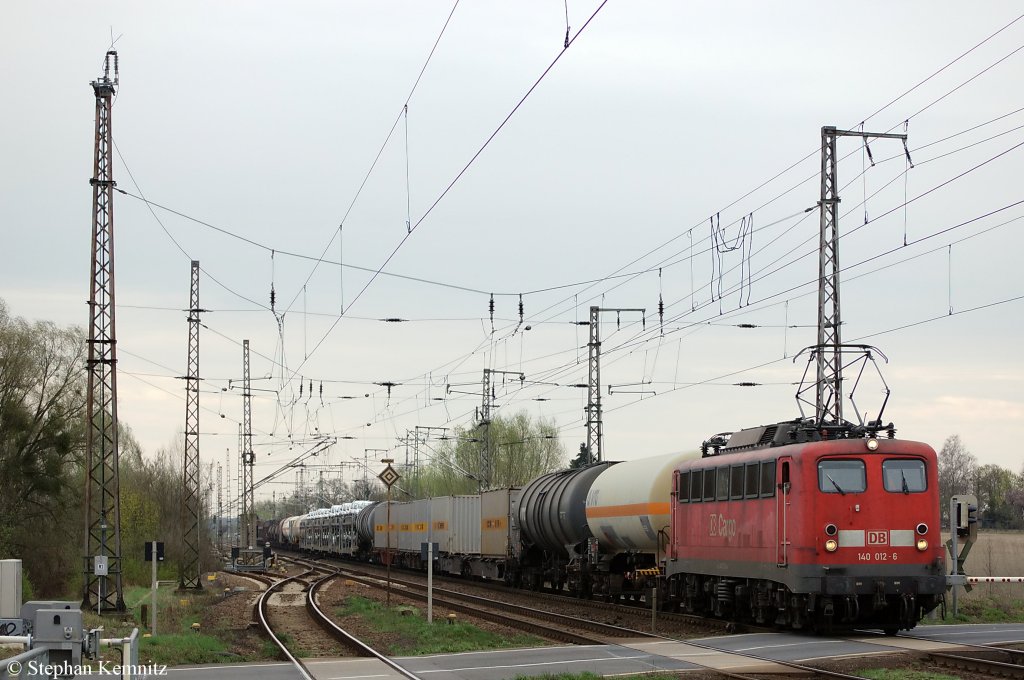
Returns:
(262,120)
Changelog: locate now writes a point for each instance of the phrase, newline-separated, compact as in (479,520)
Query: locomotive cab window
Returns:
(768,479)
(695,486)
(751,483)
(683,487)
(723,483)
(736,485)
(709,484)
(841,476)
(904,476)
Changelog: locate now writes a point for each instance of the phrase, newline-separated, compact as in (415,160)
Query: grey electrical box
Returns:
(61,632)
(10,589)
(29,609)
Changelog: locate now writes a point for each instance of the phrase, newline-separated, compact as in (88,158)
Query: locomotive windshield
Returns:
(841,476)
(904,476)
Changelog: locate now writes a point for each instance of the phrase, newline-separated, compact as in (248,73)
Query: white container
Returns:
(464,529)
(10,589)
(415,526)
(440,523)
(496,521)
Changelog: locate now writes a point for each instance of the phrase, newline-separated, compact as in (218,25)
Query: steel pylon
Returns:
(248,457)
(102,492)
(189,568)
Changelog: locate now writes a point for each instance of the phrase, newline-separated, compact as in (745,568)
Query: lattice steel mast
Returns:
(484,420)
(102,492)
(220,508)
(189,567)
(829,400)
(595,428)
(248,458)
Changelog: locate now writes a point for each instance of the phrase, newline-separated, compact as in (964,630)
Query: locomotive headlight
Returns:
(922,544)
(872,444)
(831,545)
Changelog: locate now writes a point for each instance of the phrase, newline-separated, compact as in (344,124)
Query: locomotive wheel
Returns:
(891,630)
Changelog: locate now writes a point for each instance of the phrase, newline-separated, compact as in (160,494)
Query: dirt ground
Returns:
(231,618)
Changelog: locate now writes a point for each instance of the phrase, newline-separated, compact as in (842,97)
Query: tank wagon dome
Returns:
(627,506)
(552,508)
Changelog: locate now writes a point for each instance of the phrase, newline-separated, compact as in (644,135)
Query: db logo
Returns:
(878,538)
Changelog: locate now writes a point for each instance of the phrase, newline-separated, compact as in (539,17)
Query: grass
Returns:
(593,676)
(176,641)
(898,674)
(981,610)
(416,637)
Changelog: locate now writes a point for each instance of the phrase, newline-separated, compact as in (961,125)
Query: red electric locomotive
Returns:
(792,525)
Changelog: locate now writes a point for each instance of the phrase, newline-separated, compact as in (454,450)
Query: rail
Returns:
(340,633)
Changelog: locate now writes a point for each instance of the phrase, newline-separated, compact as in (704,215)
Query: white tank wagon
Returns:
(628,505)
(627,512)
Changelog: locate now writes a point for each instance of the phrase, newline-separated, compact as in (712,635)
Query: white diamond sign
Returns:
(389,476)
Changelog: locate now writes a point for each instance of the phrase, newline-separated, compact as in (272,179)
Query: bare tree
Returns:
(957,466)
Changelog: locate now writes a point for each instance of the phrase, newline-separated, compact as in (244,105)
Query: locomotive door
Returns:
(782,511)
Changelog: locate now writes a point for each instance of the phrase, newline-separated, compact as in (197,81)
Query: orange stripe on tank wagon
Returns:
(630,510)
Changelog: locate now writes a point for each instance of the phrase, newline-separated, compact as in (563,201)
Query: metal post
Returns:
(102,501)
(189,567)
(152,613)
(388,551)
(595,428)
(654,608)
(430,580)
(829,401)
(248,457)
(954,550)
(487,464)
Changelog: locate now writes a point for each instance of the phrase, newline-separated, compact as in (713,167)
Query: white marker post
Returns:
(152,613)
(430,581)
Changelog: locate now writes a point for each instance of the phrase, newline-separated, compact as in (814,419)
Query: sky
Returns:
(671,152)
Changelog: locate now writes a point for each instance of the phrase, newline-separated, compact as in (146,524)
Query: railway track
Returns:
(521,617)
(997,669)
(312,584)
(566,629)
(635,612)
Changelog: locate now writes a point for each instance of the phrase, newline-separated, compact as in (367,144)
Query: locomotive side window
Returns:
(841,476)
(767,479)
(736,484)
(752,477)
(904,476)
(683,487)
(723,483)
(709,484)
(696,486)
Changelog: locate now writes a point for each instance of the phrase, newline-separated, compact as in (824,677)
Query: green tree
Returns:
(42,434)
(994,487)
(522,449)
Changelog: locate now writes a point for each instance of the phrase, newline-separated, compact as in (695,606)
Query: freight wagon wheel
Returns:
(891,630)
